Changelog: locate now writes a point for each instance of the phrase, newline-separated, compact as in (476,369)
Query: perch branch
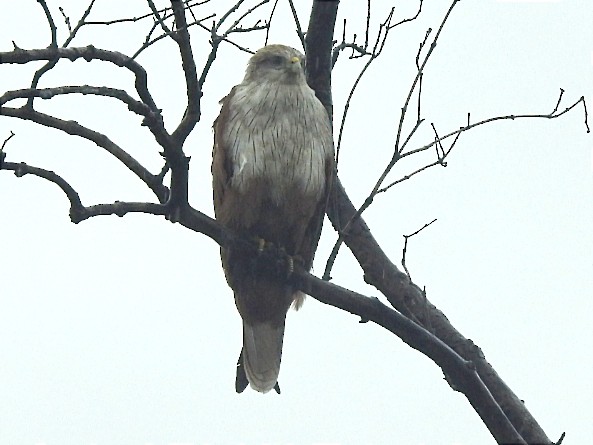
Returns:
(460,374)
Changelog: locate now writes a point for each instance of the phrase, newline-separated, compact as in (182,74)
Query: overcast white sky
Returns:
(123,331)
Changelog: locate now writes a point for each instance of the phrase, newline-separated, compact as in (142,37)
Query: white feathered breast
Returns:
(279,133)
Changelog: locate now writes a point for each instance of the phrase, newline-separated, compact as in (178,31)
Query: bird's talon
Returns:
(290,266)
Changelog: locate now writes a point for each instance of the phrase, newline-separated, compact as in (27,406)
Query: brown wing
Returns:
(221,167)
(262,301)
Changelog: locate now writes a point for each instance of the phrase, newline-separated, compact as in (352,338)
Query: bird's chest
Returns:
(279,142)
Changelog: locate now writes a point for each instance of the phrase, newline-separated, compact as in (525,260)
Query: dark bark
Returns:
(404,295)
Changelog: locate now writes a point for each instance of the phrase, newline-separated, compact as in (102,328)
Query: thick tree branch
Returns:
(78,212)
(53,44)
(21,169)
(194,91)
(411,301)
(422,325)
(318,46)
(380,272)
(47,93)
(176,159)
(74,128)
(404,113)
(460,373)
(88,53)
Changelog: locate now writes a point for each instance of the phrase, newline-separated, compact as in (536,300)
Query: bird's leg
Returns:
(291,260)
(290,266)
(296,260)
(285,264)
(266,254)
(262,244)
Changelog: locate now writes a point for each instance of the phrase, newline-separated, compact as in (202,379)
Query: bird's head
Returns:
(276,63)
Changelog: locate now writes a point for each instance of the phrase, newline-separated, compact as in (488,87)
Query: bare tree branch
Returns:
(554,114)
(299,30)
(460,374)
(53,44)
(380,272)
(148,42)
(87,53)
(47,93)
(78,212)
(379,45)
(318,47)
(188,4)
(406,238)
(397,151)
(21,169)
(176,159)
(270,22)
(6,142)
(415,319)
(157,17)
(79,25)
(193,88)
(74,128)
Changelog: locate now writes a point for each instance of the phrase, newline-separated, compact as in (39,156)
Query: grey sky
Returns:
(123,331)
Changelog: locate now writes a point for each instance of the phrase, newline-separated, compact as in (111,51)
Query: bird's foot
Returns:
(285,263)
(291,262)
(262,245)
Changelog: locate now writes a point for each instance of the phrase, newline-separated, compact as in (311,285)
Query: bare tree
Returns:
(412,317)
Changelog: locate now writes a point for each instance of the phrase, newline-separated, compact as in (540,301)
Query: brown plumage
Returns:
(272,169)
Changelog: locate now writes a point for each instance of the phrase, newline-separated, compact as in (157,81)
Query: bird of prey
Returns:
(272,168)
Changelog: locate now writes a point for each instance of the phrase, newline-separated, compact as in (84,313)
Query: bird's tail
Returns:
(262,351)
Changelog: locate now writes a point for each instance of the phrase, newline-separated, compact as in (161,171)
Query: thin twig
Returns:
(157,16)
(373,56)
(409,19)
(270,22)
(148,42)
(397,151)
(299,30)
(66,19)
(368,25)
(141,17)
(79,25)
(6,140)
(406,238)
(553,115)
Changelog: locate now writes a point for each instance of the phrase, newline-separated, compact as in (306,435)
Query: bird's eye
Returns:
(276,61)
